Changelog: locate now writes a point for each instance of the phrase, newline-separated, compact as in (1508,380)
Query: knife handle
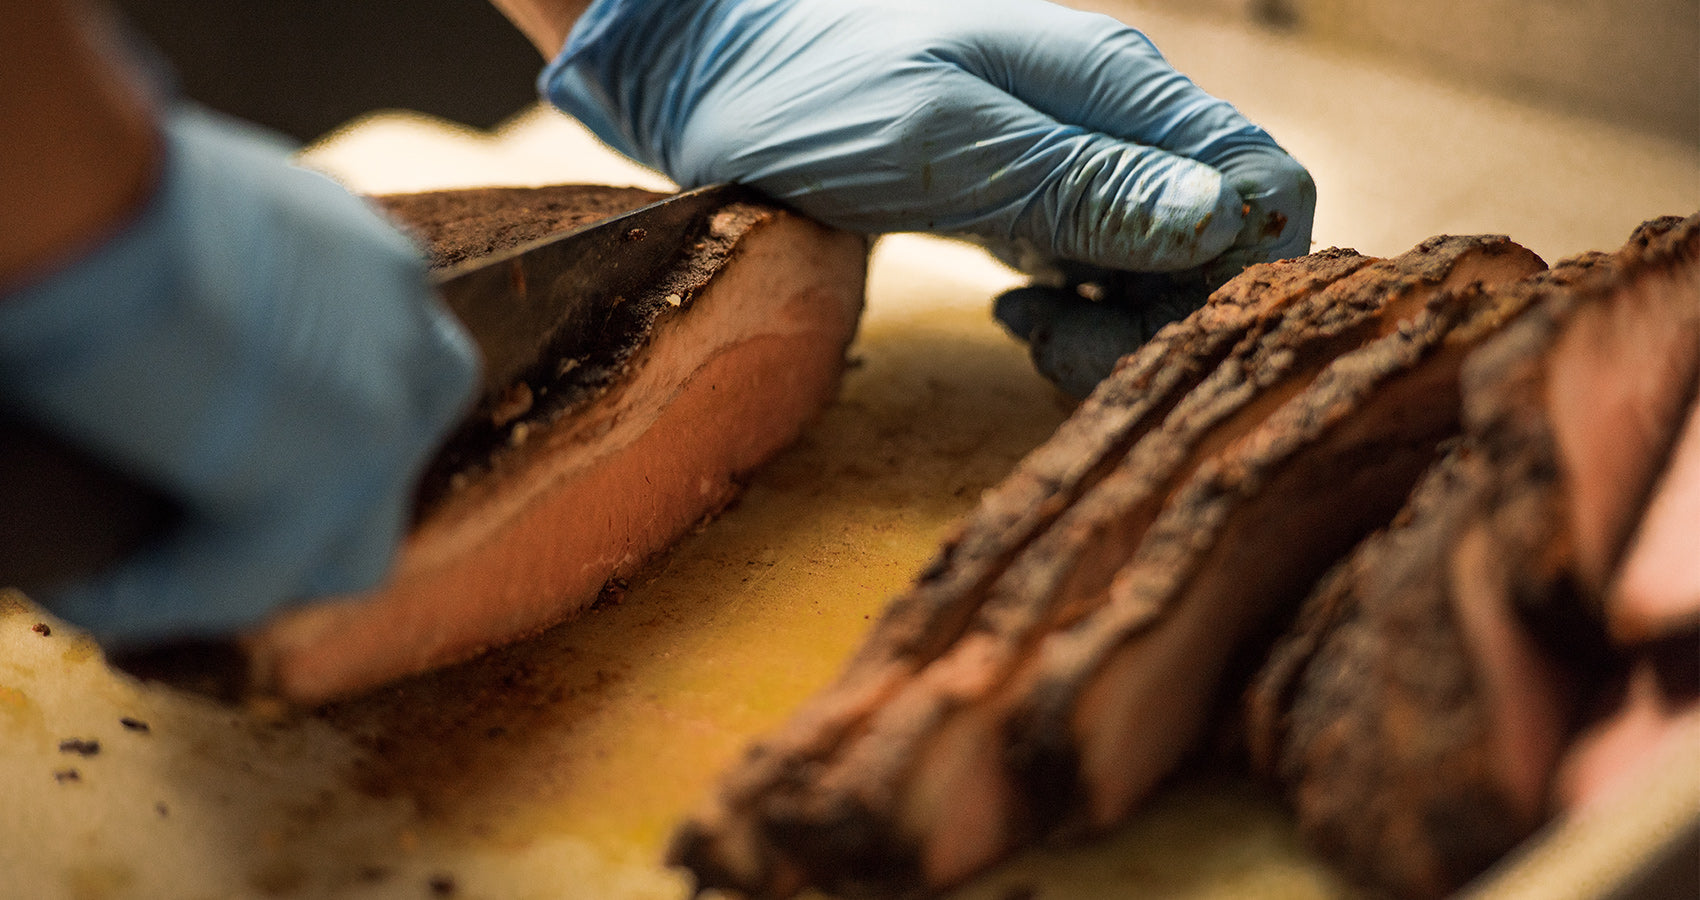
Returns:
(64,515)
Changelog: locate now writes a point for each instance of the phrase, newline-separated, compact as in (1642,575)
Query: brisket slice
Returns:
(1651,588)
(1418,708)
(1656,591)
(927,620)
(646,424)
(1049,667)
(464,225)
(1621,377)
(1373,716)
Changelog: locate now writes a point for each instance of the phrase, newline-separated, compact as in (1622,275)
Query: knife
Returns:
(64,515)
(518,304)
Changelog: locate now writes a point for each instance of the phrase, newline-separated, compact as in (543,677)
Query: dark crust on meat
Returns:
(1299,404)
(1384,742)
(1167,412)
(467,224)
(1135,399)
(926,622)
(1130,510)
(1352,435)
(1371,709)
(455,226)
(1503,382)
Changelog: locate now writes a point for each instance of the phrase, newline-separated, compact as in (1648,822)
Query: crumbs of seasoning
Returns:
(442,885)
(66,776)
(134,724)
(43,629)
(613,591)
(79,746)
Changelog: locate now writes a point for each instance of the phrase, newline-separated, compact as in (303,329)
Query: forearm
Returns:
(545,22)
(78,145)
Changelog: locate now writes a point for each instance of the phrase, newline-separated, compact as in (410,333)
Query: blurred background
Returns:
(303,67)
(306,66)
(1562,123)
(1630,62)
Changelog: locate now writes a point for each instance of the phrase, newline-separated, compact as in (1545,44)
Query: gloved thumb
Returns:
(1077,333)
(1280,204)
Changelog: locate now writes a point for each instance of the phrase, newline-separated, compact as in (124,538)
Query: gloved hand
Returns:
(1050,133)
(264,349)
(1078,331)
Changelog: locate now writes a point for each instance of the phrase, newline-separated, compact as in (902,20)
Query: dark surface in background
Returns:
(304,67)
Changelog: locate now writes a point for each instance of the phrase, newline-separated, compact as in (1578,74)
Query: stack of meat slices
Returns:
(1071,643)
(1524,633)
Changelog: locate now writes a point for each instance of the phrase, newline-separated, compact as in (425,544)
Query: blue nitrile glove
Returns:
(263,348)
(1047,132)
(1076,340)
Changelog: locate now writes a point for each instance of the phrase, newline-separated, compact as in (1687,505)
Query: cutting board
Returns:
(556,768)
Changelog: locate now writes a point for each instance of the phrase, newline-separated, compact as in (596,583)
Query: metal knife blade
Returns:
(516,304)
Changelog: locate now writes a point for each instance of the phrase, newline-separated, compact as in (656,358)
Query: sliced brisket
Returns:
(645,427)
(1422,703)
(1063,651)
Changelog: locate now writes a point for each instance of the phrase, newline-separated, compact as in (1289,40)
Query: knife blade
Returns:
(515,305)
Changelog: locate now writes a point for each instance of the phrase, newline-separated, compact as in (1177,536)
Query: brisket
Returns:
(1421,705)
(645,425)
(1064,649)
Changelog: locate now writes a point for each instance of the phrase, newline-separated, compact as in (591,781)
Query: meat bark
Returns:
(645,428)
(1064,649)
(927,621)
(467,224)
(1421,705)
(1373,716)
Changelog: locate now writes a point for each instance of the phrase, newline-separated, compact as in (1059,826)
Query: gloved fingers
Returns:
(1074,341)
(262,347)
(1097,73)
(1093,198)
(985,163)
(1110,203)
(1071,343)
(1280,206)
(199,580)
(880,116)
(223,570)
